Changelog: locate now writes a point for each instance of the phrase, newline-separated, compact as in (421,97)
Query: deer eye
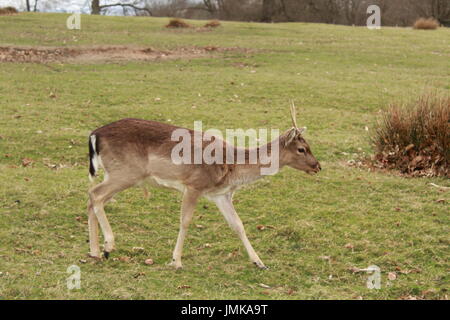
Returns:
(301,150)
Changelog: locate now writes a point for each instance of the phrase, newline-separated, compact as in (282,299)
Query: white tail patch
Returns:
(96,161)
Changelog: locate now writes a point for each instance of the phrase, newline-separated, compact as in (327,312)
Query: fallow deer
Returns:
(133,152)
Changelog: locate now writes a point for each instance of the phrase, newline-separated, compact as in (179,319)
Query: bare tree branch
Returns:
(123,5)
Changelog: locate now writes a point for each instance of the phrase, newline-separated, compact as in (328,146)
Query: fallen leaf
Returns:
(26,162)
(409,147)
(427,292)
(260,227)
(392,276)
(349,246)
(354,269)
(183,286)
(124,259)
(265,286)
(149,262)
(137,275)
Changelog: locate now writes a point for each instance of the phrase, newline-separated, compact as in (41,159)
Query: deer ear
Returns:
(290,136)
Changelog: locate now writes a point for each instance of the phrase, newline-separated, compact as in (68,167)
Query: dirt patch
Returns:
(106,53)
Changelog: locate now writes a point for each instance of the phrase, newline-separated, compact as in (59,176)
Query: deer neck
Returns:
(266,164)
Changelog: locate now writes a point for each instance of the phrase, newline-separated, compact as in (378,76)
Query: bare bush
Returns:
(415,138)
(426,24)
(8,11)
(177,23)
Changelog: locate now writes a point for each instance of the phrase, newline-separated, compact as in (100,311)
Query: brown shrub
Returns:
(212,24)
(177,23)
(426,24)
(8,10)
(415,138)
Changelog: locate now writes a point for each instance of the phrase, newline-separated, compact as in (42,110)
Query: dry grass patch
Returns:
(212,24)
(178,23)
(8,11)
(415,138)
(426,24)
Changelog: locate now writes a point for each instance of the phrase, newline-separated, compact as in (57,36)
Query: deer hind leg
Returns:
(225,205)
(94,247)
(190,198)
(98,196)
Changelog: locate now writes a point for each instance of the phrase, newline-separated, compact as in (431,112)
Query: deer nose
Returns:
(318,167)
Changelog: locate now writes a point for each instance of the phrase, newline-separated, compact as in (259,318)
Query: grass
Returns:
(324,225)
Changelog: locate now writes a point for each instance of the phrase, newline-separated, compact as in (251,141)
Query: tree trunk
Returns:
(273,9)
(95,7)
(28,5)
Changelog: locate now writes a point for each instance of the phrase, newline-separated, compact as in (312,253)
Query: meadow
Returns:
(313,231)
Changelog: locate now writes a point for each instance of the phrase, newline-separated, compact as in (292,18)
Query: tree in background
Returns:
(437,9)
(28,5)
(349,12)
(96,7)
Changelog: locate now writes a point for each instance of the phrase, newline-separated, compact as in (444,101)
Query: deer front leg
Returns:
(225,205)
(190,198)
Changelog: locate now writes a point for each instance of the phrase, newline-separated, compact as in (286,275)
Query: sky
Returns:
(70,6)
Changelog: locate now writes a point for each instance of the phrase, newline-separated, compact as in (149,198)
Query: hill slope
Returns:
(241,75)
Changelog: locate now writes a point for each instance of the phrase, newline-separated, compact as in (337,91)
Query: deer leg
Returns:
(225,205)
(99,195)
(190,198)
(94,248)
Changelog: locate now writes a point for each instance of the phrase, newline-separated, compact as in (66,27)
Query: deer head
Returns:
(295,151)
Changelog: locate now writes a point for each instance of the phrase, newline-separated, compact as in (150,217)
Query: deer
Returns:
(136,152)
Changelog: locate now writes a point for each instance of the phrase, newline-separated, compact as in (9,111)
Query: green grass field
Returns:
(322,226)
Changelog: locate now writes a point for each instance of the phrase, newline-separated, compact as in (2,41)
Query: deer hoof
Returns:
(106,254)
(94,257)
(174,264)
(260,265)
